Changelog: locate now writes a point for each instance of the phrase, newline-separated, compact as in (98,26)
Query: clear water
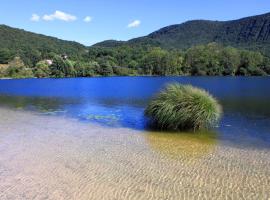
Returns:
(120,102)
(51,149)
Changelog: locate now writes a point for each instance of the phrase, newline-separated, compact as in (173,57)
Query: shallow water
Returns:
(120,102)
(86,139)
(50,157)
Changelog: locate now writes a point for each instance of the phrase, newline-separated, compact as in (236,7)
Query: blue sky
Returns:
(91,21)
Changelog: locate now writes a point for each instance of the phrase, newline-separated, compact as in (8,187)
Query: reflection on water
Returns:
(182,145)
(256,107)
(46,105)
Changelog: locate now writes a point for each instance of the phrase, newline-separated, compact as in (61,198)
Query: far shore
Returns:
(5,78)
(10,78)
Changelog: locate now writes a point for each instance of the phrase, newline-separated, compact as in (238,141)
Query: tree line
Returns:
(203,60)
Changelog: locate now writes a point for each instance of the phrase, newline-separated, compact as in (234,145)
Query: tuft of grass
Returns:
(183,107)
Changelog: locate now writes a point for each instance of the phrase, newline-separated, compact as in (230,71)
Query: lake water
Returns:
(120,101)
(231,161)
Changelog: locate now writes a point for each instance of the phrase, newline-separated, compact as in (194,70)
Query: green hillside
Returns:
(210,48)
(27,44)
(252,33)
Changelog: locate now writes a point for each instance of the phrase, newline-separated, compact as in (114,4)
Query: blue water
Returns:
(120,101)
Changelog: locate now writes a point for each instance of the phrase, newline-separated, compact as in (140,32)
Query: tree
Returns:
(230,60)
(133,64)
(105,68)
(30,56)
(251,63)
(62,68)
(5,56)
(161,62)
(266,65)
(86,69)
(197,60)
(42,69)
(17,69)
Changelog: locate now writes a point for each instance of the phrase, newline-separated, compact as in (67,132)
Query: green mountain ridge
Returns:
(15,39)
(199,47)
(7,32)
(252,33)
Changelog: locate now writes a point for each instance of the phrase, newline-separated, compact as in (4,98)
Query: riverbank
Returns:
(54,157)
(6,78)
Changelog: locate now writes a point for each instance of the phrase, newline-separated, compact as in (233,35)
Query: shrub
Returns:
(42,69)
(183,107)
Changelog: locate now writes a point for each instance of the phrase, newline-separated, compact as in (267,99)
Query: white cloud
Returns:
(134,24)
(35,18)
(87,19)
(59,15)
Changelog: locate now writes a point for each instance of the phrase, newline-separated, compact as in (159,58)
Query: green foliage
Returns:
(105,68)
(229,60)
(124,71)
(266,65)
(86,69)
(62,68)
(251,64)
(216,60)
(250,33)
(133,64)
(42,69)
(25,43)
(17,69)
(151,55)
(162,62)
(183,107)
(5,56)
(206,60)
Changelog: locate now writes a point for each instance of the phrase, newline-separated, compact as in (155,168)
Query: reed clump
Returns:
(183,107)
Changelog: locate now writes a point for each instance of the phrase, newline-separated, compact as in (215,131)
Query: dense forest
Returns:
(211,59)
(251,33)
(193,48)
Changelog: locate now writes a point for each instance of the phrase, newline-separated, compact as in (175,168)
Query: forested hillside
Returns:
(32,47)
(252,33)
(234,48)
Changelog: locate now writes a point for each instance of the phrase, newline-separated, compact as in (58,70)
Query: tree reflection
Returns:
(40,104)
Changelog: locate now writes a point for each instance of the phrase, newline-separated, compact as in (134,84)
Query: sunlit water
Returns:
(88,139)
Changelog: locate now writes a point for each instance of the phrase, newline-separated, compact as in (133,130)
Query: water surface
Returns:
(87,139)
(120,101)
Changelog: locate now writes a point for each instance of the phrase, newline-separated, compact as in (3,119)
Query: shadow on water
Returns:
(107,112)
(184,145)
(245,123)
(252,107)
(46,105)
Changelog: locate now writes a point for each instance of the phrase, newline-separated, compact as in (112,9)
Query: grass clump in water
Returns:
(183,107)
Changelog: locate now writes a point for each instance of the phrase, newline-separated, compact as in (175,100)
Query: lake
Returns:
(90,137)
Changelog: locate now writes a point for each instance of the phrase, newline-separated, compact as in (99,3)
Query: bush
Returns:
(42,69)
(183,107)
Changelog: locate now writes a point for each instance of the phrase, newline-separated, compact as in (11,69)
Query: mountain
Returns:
(252,33)
(15,40)
(26,54)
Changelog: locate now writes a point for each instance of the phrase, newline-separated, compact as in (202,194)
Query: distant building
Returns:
(49,62)
(64,56)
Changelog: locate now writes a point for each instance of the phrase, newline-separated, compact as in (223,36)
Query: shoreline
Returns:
(142,76)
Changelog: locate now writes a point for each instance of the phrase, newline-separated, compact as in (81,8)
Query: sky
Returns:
(92,21)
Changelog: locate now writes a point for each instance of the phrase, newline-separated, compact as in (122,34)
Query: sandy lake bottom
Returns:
(54,157)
